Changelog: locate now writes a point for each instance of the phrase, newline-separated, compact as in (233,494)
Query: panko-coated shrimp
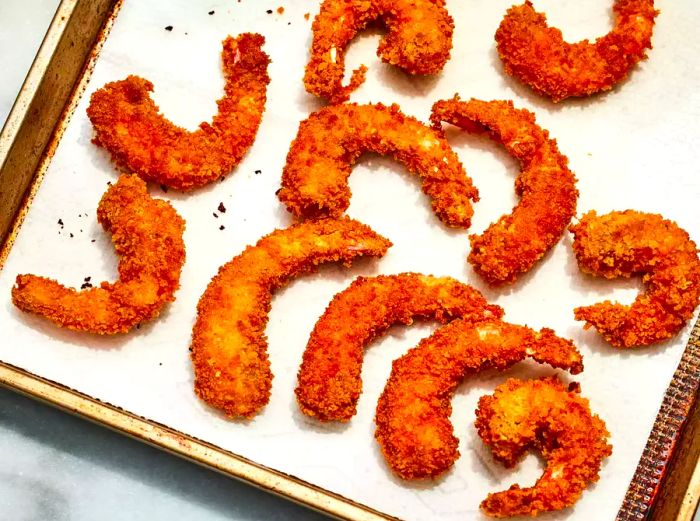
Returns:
(547,188)
(330,376)
(544,415)
(622,244)
(147,235)
(130,127)
(418,40)
(537,54)
(329,142)
(229,347)
(413,413)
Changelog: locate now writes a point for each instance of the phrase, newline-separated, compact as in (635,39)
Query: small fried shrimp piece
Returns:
(329,378)
(537,54)
(413,413)
(229,347)
(418,40)
(329,142)
(130,127)
(544,415)
(147,235)
(547,188)
(622,244)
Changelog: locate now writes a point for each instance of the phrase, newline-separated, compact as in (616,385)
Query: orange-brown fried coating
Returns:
(418,40)
(544,415)
(147,235)
(547,188)
(229,347)
(622,244)
(537,54)
(413,413)
(139,138)
(330,376)
(329,142)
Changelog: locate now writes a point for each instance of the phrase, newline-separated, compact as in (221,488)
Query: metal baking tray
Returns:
(665,486)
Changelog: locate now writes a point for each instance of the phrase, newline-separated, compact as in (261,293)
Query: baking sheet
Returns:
(633,148)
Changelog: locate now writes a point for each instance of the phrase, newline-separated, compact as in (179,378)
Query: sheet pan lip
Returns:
(47,49)
(184,445)
(289,487)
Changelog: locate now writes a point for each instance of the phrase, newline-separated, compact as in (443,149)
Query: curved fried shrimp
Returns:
(130,127)
(537,54)
(547,188)
(229,347)
(622,244)
(147,235)
(329,379)
(413,413)
(330,141)
(543,415)
(418,40)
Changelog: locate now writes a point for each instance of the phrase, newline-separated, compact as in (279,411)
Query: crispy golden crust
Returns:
(147,235)
(330,376)
(547,188)
(413,413)
(418,40)
(622,244)
(537,54)
(329,142)
(543,415)
(229,347)
(130,127)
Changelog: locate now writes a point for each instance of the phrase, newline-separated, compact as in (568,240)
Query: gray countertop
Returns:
(56,467)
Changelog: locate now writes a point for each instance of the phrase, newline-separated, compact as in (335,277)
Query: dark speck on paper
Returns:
(258,172)
(222,208)
(168,27)
(221,227)
(211,13)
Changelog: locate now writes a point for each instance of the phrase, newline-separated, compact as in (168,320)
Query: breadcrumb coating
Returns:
(547,188)
(537,54)
(129,125)
(229,347)
(147,236)
(544,415)
(413,413)
(330,376)
(330,141)
(418,40)
(623,244)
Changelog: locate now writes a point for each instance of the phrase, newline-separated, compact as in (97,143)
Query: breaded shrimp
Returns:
(622,244)
(544,415)
(329,142)
(547,188)
(147,235)
(413,413)
(329,379)
(130,127)
(229,347)
(537,54)
(418,40)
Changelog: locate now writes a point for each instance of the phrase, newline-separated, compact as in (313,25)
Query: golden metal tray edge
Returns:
(666,485)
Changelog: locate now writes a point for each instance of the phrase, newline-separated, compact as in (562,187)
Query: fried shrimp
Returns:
(229,347)
(544,415)
(147,235)
(413,413)
(547,188)
(537,54)
(418,40)
(329,378)
(130,127)
(622,244)
(329,142)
